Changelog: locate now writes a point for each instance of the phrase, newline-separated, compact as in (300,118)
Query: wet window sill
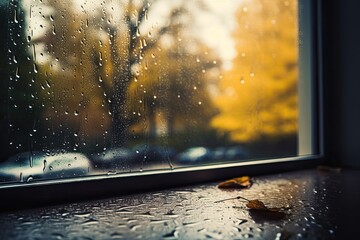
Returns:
(320,204)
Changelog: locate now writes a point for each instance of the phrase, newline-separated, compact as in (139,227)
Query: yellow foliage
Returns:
(258,96)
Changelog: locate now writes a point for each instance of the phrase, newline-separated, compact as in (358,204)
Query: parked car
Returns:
(236,153)
(194,155)
(28,166)
(113,159)
(153,153)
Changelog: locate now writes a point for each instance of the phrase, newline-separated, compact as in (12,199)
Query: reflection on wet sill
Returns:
(193,212)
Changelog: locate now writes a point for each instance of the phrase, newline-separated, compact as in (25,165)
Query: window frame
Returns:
(311,143)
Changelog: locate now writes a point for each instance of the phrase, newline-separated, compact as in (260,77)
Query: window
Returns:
(106,90)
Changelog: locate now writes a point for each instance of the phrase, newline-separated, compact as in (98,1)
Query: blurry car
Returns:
(141,156)
(219,154)
(153,154)
(113,159)
(28,166)
(194,155)
(236,153)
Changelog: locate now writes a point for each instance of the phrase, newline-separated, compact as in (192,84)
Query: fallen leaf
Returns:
(240,182)
(256,204)
(259,205)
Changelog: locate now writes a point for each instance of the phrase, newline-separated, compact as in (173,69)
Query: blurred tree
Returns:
(258,97)
(92,56)
(171,88)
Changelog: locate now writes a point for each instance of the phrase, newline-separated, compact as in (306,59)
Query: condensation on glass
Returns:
(110,87)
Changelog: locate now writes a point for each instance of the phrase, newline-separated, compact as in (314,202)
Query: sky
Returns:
(214,27)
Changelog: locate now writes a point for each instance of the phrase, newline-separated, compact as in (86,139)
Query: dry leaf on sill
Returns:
(240,182)
(259,212)
(256,204)
(259,205)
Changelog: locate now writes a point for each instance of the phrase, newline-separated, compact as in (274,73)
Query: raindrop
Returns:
(90,222)
(44,165)
(172,235)
(191,224)
(31,160)
(83,214)
(76,113)
(138,32)
(51,168)
(15,17)
(146,16)
(35,68)
(242,81)
(17,73)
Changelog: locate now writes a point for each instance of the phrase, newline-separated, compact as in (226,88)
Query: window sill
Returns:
(319,204)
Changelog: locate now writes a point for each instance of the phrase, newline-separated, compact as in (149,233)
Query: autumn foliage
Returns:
(258,96)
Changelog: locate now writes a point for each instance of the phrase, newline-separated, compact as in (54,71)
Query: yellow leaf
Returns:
(257,205)
(240,182)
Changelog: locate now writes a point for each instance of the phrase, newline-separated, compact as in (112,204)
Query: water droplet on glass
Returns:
(172,235)
(44,165)
(35,68)
(90,222)
(242,81)
(15,16)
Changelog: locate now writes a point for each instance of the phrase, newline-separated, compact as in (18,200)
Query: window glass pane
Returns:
(100,87)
